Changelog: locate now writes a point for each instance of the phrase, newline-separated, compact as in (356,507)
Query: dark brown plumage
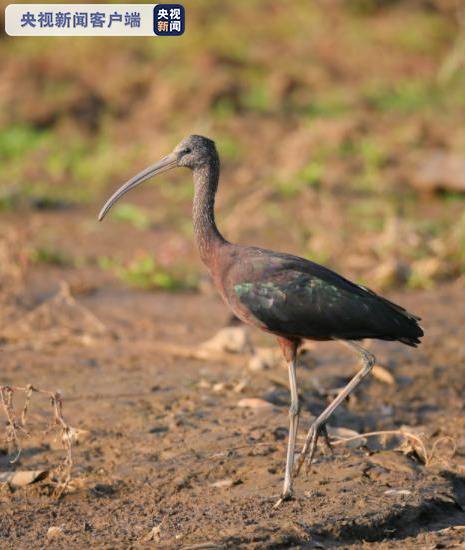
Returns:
(288,296)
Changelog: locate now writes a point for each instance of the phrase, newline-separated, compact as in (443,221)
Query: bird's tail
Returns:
(408,329)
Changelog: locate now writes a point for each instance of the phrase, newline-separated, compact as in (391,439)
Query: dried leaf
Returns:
(76,484)
(230,339)
(223,483)
(263,358)
(254,403)
(23,477)
(203,384)
(153,534)
(346,433)
(240,386)
(415,442)
(383,375)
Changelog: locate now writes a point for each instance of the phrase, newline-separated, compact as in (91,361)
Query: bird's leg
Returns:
(294,421)
(368,361)
(328,444)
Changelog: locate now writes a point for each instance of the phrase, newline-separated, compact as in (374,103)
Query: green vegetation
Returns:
(369,214)
(257,97)
(49,169)
(127,212)
(329,108)
(406,96)
(144,272)
(49,255)
(16,141)
(309,176)
(331,105)
(8,199)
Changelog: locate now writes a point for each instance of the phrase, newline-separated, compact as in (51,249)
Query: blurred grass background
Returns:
(339,125)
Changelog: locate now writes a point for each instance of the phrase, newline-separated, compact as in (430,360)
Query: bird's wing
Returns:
(296,297)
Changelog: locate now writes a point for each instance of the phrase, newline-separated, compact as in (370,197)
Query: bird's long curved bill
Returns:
(163,165)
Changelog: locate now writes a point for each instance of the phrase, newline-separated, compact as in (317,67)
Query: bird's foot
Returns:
(327,441)
(316,431)
(310,445)
(287,495)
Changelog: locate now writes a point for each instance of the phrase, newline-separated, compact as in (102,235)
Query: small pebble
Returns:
(254,403)
(55,533)
(397,492)
(223,483)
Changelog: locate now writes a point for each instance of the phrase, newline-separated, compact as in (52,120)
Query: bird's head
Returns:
(193,152)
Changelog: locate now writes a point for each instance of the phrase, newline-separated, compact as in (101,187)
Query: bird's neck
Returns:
(208,237)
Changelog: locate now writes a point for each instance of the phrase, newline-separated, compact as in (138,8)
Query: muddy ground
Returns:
(169,448)
(339,126)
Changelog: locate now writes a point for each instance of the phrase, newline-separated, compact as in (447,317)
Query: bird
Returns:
(285,295)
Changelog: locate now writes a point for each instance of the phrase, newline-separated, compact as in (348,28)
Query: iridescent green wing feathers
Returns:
(302,299)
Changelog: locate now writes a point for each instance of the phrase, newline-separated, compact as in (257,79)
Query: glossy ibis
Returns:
(293,298)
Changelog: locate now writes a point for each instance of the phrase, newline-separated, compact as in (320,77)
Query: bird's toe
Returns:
(286,495)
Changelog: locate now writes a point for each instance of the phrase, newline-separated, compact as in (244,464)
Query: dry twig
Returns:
(66,432)
(6,396)
(416,442)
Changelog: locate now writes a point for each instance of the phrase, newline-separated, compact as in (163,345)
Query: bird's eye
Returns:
(187,150)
